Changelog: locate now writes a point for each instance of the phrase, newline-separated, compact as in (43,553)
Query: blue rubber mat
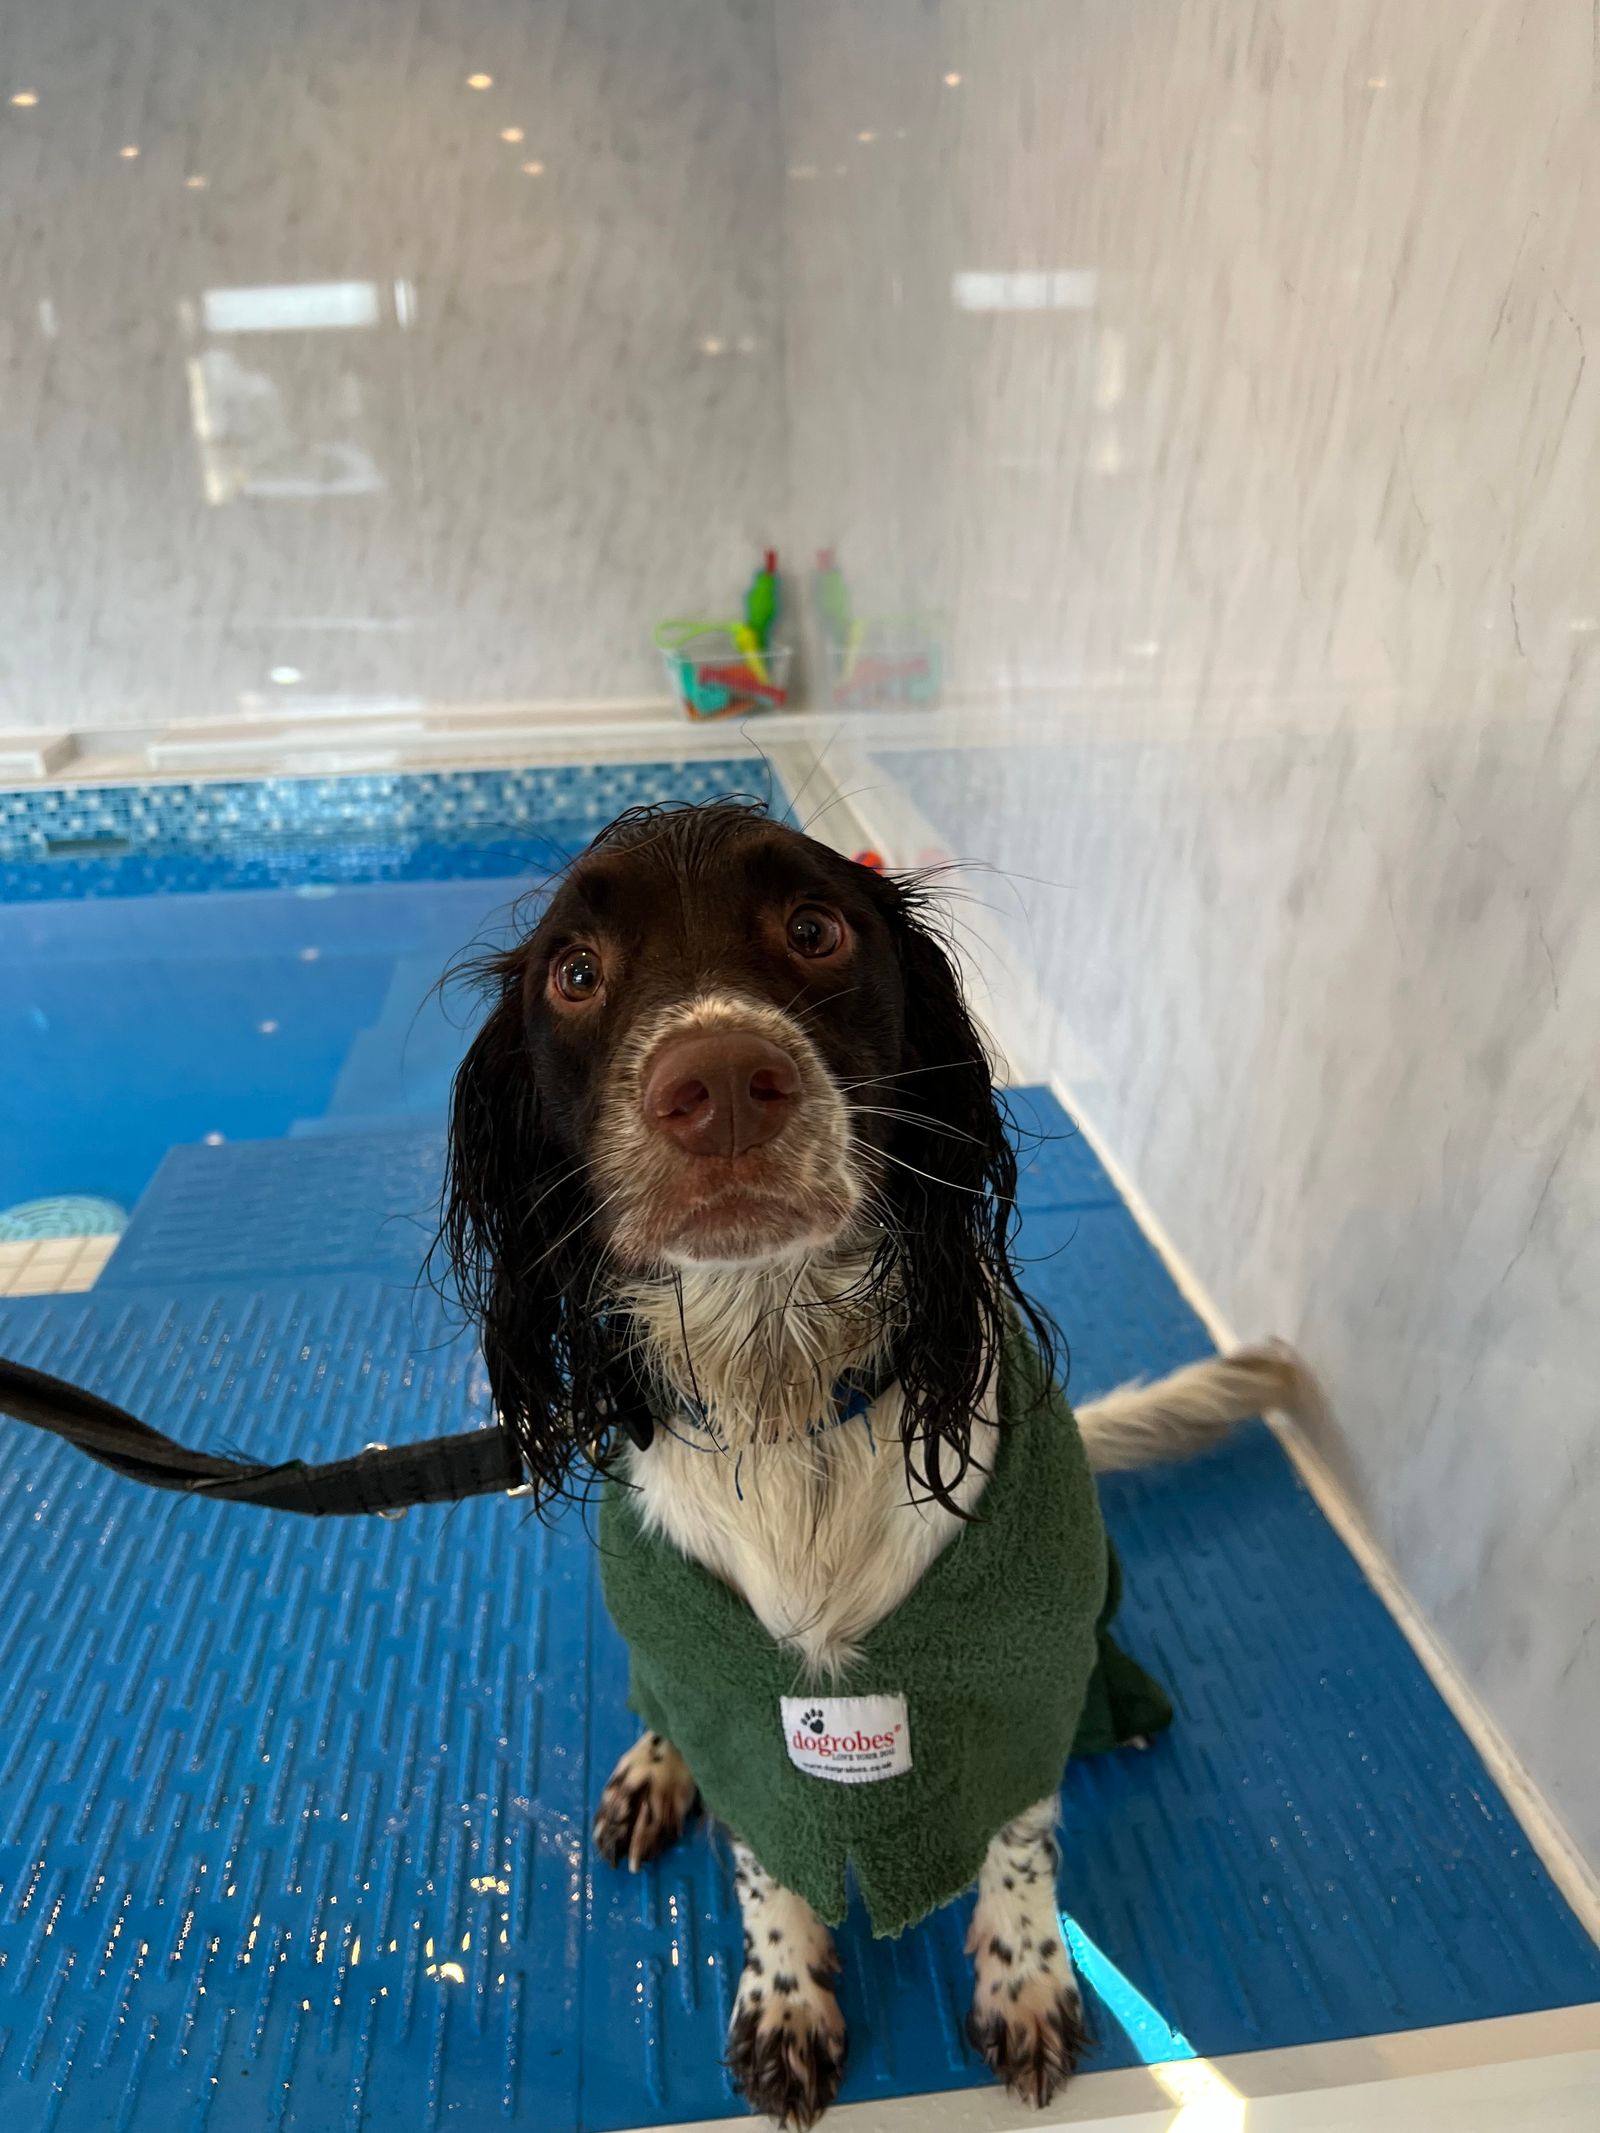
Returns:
(293,1816)
(1056,1167)
(337,1203)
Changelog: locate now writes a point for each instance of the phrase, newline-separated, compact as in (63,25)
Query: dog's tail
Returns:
(1193,1409)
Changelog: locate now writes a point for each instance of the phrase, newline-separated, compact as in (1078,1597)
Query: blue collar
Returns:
(853,1394)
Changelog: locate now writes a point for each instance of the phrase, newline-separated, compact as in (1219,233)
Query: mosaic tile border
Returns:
(38,824)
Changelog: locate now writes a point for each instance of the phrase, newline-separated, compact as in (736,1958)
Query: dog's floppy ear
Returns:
(515,1236)
(951,1188)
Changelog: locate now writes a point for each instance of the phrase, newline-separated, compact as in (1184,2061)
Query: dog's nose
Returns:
(721,1093)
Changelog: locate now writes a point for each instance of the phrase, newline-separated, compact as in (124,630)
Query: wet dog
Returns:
(728,1139)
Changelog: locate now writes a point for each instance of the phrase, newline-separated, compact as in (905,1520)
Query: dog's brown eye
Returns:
(577,974)
(814,932)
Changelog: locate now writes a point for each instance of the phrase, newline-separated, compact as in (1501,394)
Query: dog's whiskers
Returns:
(978,1192)
(868,1081)
(566,1178)
(916,1118)
(582,1222)
(817,1007)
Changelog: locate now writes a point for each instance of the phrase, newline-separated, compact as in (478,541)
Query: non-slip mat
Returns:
(363,1202)
(293,1816)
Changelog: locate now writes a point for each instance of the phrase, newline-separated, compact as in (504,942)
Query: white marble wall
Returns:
(556,417)
(1264,545)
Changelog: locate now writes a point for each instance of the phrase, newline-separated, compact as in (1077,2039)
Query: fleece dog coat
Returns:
(960,1712)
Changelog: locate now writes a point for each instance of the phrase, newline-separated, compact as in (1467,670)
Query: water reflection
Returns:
(872,660)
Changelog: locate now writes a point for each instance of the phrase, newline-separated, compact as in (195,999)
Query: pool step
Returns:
(402,1063)
(359,1125)
(253,1211)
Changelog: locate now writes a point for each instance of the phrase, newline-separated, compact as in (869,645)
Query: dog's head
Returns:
(724,1046)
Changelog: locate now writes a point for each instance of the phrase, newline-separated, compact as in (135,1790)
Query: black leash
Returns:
(383,1479)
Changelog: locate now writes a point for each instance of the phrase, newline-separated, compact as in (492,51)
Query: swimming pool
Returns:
(255,961)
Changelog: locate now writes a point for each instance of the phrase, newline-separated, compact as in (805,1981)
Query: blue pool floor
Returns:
(294,1817)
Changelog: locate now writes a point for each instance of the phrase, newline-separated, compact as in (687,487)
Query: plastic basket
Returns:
(717,680)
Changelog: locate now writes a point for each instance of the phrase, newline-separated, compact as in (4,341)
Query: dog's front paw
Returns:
(786,2044)
(648,1799)
(1030,2029)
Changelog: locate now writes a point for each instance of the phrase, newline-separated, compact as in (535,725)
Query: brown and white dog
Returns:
(729,1130)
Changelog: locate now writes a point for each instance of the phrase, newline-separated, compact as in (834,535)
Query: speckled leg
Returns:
(786,2043)
(1027,2011)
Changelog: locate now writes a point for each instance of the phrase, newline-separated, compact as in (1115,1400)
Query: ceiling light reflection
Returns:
(480,81)
(291,307)
(512,133)
(1034,289)
(25,99)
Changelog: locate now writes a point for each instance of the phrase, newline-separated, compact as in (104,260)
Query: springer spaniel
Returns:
(728,1134)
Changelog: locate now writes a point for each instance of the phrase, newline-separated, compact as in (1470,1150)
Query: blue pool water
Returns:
(130,1026)
(210,979)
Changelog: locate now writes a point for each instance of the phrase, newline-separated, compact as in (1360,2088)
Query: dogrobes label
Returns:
(851,1740)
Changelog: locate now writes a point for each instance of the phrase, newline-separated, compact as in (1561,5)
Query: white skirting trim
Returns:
(1508,2076)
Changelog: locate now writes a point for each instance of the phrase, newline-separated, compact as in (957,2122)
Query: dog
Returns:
(728,1138)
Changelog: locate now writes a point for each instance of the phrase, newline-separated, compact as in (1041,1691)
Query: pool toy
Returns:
(761,604)
(743,678)
(719,668)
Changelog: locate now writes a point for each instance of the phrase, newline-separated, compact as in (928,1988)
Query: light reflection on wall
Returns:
(280,418)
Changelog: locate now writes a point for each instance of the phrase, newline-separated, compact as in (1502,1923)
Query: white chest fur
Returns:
(818,1534)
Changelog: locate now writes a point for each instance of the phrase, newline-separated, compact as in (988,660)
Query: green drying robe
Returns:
(960,1712)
